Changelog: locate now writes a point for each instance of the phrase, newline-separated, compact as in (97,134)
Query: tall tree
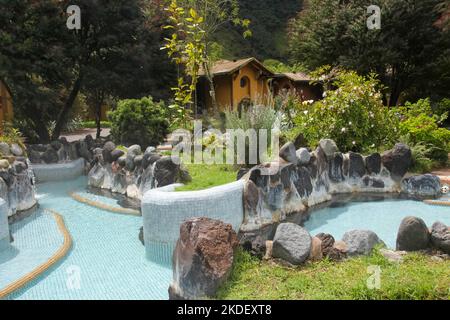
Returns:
(402,52)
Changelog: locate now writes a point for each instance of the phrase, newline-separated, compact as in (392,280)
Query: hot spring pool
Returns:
(383,216)
(107,256)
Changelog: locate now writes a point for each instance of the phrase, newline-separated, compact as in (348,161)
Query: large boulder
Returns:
(16,150)
(422,186)
(335,168)
(116,154)
(202,259)
(4,164)
(50,155)
(303,156)
(373,163)
(166,171)
(288,153)
(360,242)
(357,167)
(413,235)
(4,149)
(329,147)
(397,161)
(108,148)
(291,243)
(440,237)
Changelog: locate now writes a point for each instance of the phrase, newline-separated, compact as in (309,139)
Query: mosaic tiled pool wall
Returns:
(58,171)
(4,227)
(163,212)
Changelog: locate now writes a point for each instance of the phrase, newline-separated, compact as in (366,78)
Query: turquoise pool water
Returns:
(382,217)
(107,260)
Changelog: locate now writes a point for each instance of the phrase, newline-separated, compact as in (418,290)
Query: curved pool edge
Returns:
(164,210)
(41,269)
(104,206)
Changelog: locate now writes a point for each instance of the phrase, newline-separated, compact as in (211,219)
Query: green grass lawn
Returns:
(417,277)
(206,176)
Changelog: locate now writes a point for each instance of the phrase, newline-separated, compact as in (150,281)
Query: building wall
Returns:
(229,92)
(302,89)
(6,106)
(256,89)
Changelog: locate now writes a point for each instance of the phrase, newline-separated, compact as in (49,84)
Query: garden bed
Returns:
(419,276)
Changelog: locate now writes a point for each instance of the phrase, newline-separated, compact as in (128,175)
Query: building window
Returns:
(244,82)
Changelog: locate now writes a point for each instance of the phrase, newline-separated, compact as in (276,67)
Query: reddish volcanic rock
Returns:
(202,259)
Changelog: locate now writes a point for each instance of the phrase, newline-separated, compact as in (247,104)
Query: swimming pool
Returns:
(106,255)
(382,216)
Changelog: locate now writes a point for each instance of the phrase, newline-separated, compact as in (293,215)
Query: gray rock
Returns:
(16,150)
(166,171)
(335,168)
(133,151)
(440,237)
(138,160)
(373,182)
(291,243)
(150,150)
(50,155)
(56,145)
(397,161)
(422,186)
(4,149)
(122,161)
(108,148)
(4,164)
(413,235)
(116,154)
(329,147)
(242,172)
(288,153)
(149,159)
(360,242)
(373,163)
(303,156)
(19,166)
(357,168)
(34,156)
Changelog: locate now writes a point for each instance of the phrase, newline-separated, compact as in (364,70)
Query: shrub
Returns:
(422,126)
(11,135)
(139,121)
(353,115)
(256,117)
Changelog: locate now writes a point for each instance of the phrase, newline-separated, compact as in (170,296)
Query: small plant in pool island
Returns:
(139,121)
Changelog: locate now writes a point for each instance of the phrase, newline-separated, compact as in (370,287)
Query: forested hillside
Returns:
(269,20)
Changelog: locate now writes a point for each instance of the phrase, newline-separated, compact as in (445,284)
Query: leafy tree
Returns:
(139,121)
(194,23)
(352,114)
(33,63)
(404,52)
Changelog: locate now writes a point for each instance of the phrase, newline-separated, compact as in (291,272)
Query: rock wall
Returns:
(16,179)
(302,179)
(132,172)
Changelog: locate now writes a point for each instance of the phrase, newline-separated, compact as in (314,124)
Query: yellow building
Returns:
(6,106)
(236,83)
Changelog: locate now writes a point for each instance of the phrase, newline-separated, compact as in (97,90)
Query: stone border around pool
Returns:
(164,210)
(55,258)
(104,206)
(58,171)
